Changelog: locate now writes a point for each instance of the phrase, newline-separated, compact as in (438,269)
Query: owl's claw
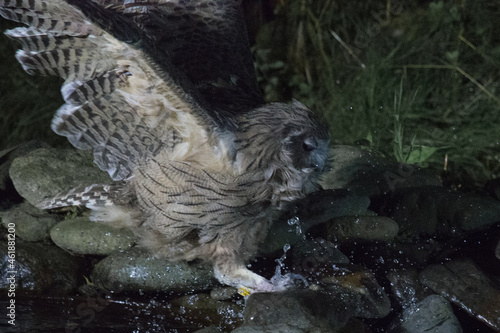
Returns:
(244,291)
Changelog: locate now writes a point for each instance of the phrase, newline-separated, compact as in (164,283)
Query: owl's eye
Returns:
(308,145)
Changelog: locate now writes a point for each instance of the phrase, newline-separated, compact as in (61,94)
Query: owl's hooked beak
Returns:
(319,155)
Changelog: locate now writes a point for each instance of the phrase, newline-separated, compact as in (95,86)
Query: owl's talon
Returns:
(244,291)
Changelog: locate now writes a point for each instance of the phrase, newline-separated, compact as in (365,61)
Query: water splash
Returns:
(295,221)
(284,281)
(281,261)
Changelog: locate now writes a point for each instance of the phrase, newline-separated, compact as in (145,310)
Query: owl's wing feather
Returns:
(206,41)
(118,101)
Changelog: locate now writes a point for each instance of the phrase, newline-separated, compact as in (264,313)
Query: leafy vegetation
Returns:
(27,103)
(418,81)
(415,80)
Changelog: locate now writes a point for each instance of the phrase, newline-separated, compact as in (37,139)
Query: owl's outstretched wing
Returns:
(119,102)
(206,40)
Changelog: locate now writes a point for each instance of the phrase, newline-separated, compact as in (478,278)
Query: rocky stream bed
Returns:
(384,248)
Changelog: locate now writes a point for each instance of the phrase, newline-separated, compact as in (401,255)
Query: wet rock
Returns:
(8,195)
(295,311)
(357,291)
(461,282)
(44,173)
(420,252)
(316,208)
(406,287)
(383,257)
(201,308)
(277,328)
(211,329)
(435,210)
(31,223)
(367,173)
(322,206)
(136,269)
(83,236)
(39,269)
(354,325)
(432,315)
(8,155)
(373,228)
(223,293)
(321,310)
(316,258)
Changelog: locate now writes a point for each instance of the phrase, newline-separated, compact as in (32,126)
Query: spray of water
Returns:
(295,221)
(285,281)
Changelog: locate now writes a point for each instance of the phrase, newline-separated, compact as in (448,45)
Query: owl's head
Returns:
(288,140)
(304,137)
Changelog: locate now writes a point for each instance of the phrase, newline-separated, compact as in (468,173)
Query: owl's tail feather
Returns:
(109,204)
(93,196)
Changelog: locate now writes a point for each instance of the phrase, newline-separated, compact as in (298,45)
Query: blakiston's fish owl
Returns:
(164,93)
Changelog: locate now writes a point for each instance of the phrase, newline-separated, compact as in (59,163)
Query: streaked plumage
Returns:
(165,95)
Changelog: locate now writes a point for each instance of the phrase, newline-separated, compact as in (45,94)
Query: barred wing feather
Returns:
(119,103)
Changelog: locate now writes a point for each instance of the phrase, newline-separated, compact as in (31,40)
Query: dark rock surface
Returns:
(373,228)
(9,155)
(365,172)
(406,287)
(431,210)
(432,315)
(461,282)
(32,224)
(312,310)
(315,258)
(203,308)
(39,269)
(136,269)
(315,209)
